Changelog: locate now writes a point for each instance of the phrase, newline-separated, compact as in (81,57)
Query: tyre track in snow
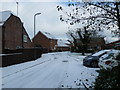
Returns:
(49,74)
(26,75)
(43,76)
(30,67)
(60,84)
(26,68)
(56,70)
(63,83)
(82,82)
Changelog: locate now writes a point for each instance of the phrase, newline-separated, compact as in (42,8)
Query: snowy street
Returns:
(52,70)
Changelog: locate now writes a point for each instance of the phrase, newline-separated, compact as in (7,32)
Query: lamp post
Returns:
(17,7)
(34,34)
(34,21)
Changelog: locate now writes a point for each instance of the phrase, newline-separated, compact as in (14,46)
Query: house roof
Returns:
(115,42)
(48,35)
(62,43)
(4,15)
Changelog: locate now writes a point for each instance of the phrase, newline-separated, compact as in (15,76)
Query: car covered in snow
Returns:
(109,60)
(92,60)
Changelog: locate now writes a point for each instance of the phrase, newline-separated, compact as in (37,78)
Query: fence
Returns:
(17,56)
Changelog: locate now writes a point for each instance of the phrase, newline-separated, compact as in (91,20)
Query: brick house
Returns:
(62,45)
(45,40)
(115,44)
(13,34)
(96,43)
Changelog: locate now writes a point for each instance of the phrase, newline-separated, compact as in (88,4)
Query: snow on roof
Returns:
(48,35)
(4,15)
(62,42)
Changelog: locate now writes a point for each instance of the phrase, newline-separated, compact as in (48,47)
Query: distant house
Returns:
(62,45)
(96,43)
(115,44)
(13,34)
(45,40)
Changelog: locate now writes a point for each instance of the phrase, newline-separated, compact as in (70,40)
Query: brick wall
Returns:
(41,40)
(62,48)
(52,43)
(20,55)
(13,34)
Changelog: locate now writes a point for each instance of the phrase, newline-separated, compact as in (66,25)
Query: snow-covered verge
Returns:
(52,70)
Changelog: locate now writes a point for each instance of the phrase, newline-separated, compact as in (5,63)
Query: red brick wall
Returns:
(52,43)
(13,33)
(43,41)
(62,48)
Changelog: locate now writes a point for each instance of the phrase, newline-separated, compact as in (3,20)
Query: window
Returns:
(24,38)
(109,56)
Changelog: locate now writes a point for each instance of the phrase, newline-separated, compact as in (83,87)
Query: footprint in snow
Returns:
(62,85)
(92,75)
(86,79)
(55,57)
(78,84)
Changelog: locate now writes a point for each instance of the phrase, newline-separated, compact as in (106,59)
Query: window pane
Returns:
(25,38)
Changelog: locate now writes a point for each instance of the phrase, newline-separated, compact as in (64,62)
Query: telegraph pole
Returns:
(17,7)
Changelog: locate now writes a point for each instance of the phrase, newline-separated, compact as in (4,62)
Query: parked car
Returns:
(110,60)
(92,60)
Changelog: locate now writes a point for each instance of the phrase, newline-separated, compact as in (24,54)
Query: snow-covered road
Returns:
(52,70)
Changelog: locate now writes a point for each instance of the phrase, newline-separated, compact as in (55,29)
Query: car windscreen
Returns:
(100,53)
(109,56)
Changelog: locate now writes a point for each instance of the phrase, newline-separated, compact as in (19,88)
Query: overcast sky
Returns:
(47,21)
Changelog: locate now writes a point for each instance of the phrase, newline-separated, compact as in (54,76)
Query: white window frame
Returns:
(25,38)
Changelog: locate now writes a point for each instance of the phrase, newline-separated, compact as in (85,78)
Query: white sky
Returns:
(47,21)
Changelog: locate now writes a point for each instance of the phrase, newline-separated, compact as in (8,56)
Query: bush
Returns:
(74,49)
(108,79)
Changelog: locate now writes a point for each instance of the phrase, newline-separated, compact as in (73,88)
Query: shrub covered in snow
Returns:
(108,78)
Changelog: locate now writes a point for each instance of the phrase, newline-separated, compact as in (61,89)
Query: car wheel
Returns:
(94,64)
